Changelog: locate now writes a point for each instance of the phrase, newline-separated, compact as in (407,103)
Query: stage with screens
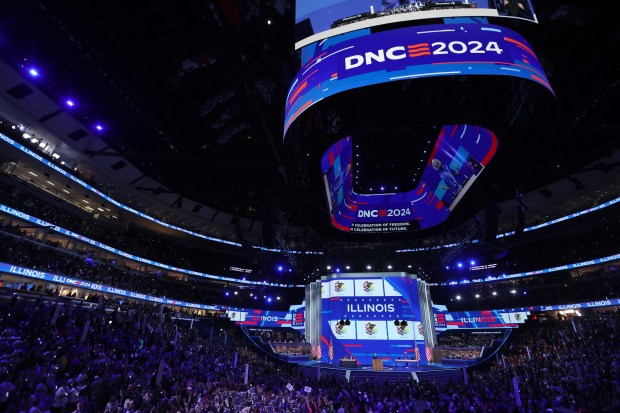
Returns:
(387,316)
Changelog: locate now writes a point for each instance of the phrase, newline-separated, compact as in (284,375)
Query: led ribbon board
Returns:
(445,320)
(459,156)
(408,53)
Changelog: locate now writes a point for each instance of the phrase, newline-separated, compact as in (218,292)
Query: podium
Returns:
(377,364)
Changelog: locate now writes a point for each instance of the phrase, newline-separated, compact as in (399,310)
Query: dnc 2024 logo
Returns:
(368,286)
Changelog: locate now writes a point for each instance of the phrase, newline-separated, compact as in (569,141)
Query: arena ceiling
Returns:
(192,92)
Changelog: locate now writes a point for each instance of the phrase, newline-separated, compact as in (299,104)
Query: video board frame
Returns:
(329,18)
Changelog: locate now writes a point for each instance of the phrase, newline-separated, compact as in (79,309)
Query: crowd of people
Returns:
(135,358)
(280,335)
(58,213)
(38,255)
(451,338)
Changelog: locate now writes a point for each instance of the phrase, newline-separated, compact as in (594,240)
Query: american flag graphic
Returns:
(417,353)
(313,351)
(330,352)
(429,354)
(318,352)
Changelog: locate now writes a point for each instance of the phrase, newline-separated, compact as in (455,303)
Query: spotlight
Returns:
(278,297)
(337,269)
(447,267)
(329,267)
(226,293)
(70,103)
(236,293)
(494,293)
(459,264)
(513,291)
(389,267)
(99,127)
(348,267)
(477,295)
(368,267)
(458,297)
(383,188)
(33,72)
(280,268)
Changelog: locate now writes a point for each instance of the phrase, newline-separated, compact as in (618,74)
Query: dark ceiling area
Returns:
(193,92)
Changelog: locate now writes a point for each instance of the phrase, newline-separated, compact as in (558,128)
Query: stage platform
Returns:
(432,372)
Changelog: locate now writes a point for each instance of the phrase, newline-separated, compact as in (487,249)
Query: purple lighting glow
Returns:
(33,72)
(70,103)
(99,127)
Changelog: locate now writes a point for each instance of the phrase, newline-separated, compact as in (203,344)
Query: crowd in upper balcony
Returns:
(29,253)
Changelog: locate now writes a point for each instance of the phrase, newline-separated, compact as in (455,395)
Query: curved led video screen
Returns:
(409,53)
(459,156)
(319,19)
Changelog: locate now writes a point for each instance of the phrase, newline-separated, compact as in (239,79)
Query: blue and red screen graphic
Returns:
(409,53)
(459,156)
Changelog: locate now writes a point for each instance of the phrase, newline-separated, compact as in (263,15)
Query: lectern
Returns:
(377,364)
